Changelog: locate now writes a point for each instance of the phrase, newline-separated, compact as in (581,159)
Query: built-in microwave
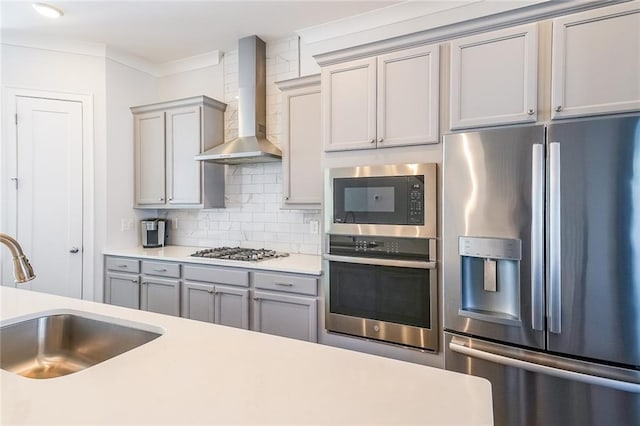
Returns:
(391,200)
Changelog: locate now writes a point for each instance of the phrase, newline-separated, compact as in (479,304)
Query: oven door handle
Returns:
(381,262)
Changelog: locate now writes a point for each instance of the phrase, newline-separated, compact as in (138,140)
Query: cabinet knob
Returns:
(530,112)
(380,140)
(134,281)
(559,108)
(286,197)
(74,250)
(170,198)
(256,298)
(161,199)
(211,291)
(372,141)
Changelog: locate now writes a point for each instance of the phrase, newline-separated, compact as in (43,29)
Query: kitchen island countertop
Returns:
(294,263)
(200,373)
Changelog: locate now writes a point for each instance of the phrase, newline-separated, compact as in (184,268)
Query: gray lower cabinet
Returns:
(283,304)
(147,285)
(160,287)
(122,282)
(161,295)
(285,315)
(286,305)
(122,289)
(216,295)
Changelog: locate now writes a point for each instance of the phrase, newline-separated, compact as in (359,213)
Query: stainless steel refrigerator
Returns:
(541,268)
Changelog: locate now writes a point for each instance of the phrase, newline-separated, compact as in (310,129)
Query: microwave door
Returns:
(493,201)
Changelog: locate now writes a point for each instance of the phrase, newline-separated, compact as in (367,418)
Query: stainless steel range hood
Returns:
(251,145)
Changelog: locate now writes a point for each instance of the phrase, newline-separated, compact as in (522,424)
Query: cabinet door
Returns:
(232,306)
(349,105)
(408,97)
(302,171)
(150,158)
(198,301)
(184,174)
(160,295)
(596,62)
(494,78)
(284,315)
(122,290)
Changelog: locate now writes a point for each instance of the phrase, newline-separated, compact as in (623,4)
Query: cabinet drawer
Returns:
(123,264)
(286,283)
(161,269)
(216,275)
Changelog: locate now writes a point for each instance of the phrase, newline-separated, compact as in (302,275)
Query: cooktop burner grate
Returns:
(238,253)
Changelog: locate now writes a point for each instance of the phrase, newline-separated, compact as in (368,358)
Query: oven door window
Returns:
(383,293)
(371,200)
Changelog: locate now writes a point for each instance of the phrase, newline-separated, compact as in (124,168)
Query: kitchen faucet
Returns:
(22,270)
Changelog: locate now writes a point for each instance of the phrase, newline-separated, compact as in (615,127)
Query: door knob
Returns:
(74,250)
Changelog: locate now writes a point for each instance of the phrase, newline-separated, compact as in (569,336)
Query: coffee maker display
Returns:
(154,232)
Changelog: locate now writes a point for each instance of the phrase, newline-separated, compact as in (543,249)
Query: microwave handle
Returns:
(381,262)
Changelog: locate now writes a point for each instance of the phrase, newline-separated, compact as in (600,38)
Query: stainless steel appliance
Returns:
(238,253)
(392,200)
(380,253)
(541,268)
(153,232)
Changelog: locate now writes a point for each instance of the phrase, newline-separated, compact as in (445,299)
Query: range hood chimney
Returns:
(251,145)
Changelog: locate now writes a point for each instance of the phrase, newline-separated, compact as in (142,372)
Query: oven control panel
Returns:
(382,247)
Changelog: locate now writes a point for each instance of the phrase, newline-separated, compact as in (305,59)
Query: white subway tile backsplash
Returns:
(254,215)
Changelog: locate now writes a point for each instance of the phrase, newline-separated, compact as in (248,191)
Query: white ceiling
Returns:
(163,31)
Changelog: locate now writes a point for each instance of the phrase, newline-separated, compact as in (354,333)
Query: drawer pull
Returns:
(160,269)
(285,284)
(122,266)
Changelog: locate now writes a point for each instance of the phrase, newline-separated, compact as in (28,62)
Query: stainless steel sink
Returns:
(58,344)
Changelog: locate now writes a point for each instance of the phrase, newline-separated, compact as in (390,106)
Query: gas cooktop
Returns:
(238,253)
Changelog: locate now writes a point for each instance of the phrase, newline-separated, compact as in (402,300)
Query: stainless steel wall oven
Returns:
(380,254)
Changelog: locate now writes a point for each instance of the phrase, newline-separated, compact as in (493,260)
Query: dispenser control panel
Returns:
(490,248)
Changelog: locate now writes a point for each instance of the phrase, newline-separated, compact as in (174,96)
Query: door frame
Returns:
(8,165)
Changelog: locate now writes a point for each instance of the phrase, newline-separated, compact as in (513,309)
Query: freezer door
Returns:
(532,388)
(593,239)
(493,234)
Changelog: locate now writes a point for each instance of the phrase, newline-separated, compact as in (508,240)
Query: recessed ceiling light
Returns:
(47,10)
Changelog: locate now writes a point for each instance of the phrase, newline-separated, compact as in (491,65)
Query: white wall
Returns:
(208,81)
(54,71)
(127,87)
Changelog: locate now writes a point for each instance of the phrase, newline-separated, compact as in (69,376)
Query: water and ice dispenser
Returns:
(490,284)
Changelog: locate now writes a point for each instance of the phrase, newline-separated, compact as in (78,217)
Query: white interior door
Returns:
(49,217)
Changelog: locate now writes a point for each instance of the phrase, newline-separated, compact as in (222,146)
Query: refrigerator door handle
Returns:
(537,237)
(455,346)
(555,277)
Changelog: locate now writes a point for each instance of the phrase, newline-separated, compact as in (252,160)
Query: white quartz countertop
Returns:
(200,373)
(295,263)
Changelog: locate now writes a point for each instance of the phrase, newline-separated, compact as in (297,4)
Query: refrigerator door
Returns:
(493,234)
(533,388)
(593,239)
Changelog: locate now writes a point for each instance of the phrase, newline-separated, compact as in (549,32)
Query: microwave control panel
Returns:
(416,201)
(372,246)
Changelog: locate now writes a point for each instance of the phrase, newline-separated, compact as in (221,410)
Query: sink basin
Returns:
(57,344)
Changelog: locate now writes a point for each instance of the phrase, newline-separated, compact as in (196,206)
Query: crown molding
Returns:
(104,51)
(298,82)
(472,18)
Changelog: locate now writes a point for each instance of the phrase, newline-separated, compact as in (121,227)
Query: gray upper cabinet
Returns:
(596,62)
(385,101)
(301,142)
(494,78)
(167,136)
